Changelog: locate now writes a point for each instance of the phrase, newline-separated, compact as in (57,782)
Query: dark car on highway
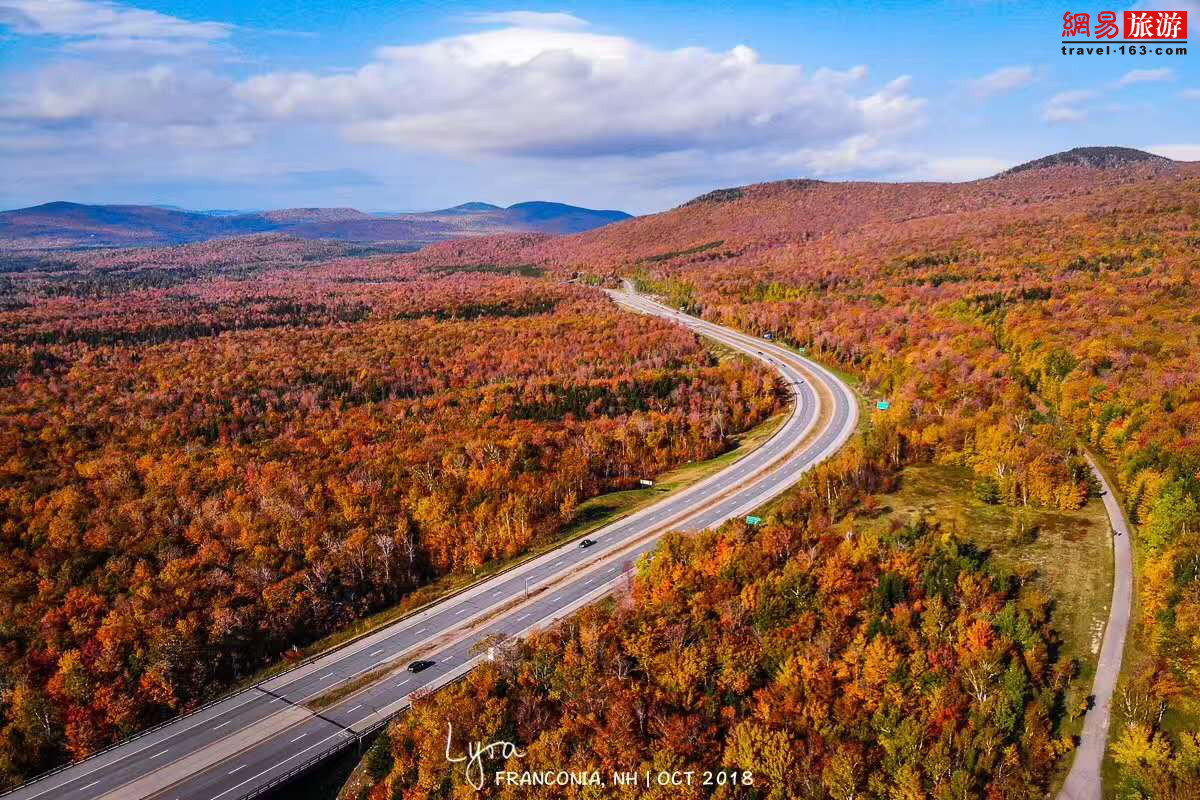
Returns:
(587,542)
(421,664)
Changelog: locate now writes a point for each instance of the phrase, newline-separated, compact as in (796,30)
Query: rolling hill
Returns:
(780,217)
(64,225)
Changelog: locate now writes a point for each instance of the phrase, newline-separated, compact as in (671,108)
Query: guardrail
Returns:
(303,662)
(308,764)
(337,747)
(131,738)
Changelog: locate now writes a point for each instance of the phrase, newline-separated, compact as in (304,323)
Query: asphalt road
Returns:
(1084,780)
(247,742)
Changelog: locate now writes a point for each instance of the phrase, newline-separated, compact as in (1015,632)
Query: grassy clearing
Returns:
(1066,554)
(591,515)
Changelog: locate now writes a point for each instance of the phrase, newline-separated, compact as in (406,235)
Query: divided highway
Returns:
(255,739)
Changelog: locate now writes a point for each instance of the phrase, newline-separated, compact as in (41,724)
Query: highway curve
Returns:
(255,739)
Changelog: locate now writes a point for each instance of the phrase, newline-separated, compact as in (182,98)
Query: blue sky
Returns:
(390,105)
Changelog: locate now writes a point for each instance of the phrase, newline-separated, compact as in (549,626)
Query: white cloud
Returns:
(1190,94)
(553,93)
(1001,81)
(1068,106)
(163,94)
(1146,76)
(529,19)
(1179,152)
(99,24)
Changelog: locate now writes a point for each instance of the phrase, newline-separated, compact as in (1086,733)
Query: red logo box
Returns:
(1155,24)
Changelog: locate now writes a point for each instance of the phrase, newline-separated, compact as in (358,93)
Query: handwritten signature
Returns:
(476,753)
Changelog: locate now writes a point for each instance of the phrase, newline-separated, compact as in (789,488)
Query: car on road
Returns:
(586,542)
(420,665)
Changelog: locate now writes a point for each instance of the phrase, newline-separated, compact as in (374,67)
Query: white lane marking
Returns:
(326,677)
(276,699)
(460,611)
(223,724)
(301,736)
(250,698)
(160,753)
(421,631)
(523,616)
(377,652)
(356,708)
(401,683)
(277,766)
(235,769)
(90,785)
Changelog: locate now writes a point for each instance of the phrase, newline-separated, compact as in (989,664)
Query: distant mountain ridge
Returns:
(63,224)
(535,216)
(469,208)
(736,222)
(804,207)
(299,215)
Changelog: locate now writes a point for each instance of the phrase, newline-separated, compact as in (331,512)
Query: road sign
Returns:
(753,520)
(646,482)
(883,405)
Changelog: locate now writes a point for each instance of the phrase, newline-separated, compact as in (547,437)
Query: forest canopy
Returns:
(212,455)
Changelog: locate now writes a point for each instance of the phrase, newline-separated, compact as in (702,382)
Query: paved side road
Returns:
(1083,781)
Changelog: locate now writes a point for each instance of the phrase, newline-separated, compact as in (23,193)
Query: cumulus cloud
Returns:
(1002,81)
(103,25)
(1146,76)
(522,98)
(1068,106)
(554,93)
(529,19)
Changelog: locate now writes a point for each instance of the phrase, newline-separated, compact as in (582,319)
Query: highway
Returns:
(250,741)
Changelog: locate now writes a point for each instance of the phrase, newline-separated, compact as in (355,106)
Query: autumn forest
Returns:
(214,455)
(1011,323)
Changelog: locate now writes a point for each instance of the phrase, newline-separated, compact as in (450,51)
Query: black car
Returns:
(587,542)
(422,664)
